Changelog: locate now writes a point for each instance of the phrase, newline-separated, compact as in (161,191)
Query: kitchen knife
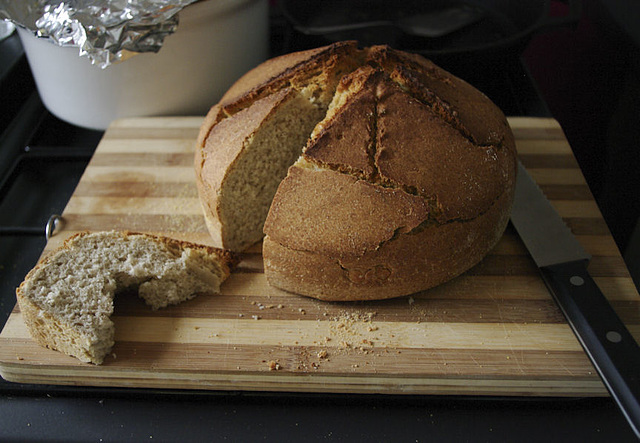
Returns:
(563,264)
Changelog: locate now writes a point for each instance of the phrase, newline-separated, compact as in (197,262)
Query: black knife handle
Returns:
(608,343)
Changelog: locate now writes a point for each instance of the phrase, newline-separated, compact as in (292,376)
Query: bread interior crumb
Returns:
(68,300)
(253,179)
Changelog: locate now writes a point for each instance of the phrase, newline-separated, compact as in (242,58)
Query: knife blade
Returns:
(563,262)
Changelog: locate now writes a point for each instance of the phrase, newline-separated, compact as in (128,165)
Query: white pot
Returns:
(216,42)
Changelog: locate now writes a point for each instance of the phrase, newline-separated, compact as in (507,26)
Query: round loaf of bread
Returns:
(372,173)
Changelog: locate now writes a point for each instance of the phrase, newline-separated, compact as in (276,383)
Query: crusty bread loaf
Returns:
(404,182)
(67,299)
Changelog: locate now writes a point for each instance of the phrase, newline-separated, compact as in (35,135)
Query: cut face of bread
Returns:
(250,161)
(405,181)
(67,299)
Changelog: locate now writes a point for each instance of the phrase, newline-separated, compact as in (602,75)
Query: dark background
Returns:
(589,76)
(585,75)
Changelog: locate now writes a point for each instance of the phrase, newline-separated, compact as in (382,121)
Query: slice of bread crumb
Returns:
(67,299)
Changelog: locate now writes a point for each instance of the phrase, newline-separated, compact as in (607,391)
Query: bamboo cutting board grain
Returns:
(493,331)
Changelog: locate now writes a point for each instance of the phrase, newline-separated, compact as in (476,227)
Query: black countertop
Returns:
(39,151)
(143,416)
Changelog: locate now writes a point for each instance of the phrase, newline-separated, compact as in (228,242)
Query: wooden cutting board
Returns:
(493,331)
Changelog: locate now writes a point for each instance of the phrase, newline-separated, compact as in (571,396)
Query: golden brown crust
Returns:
(419,151)
(345,139)
(283,71)
(457,102)
(214,115)
(273,75)
(419,260)
(335,214)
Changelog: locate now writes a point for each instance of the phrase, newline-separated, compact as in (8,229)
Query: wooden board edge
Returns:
(312,383)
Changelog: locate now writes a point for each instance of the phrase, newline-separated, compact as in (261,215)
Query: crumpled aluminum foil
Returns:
(106,31)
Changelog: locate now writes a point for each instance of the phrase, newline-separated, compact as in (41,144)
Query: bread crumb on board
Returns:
(273,365)
(353,331)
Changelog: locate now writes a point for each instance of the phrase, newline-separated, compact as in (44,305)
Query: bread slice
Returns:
(67,299)
(248,141)
(253,150)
